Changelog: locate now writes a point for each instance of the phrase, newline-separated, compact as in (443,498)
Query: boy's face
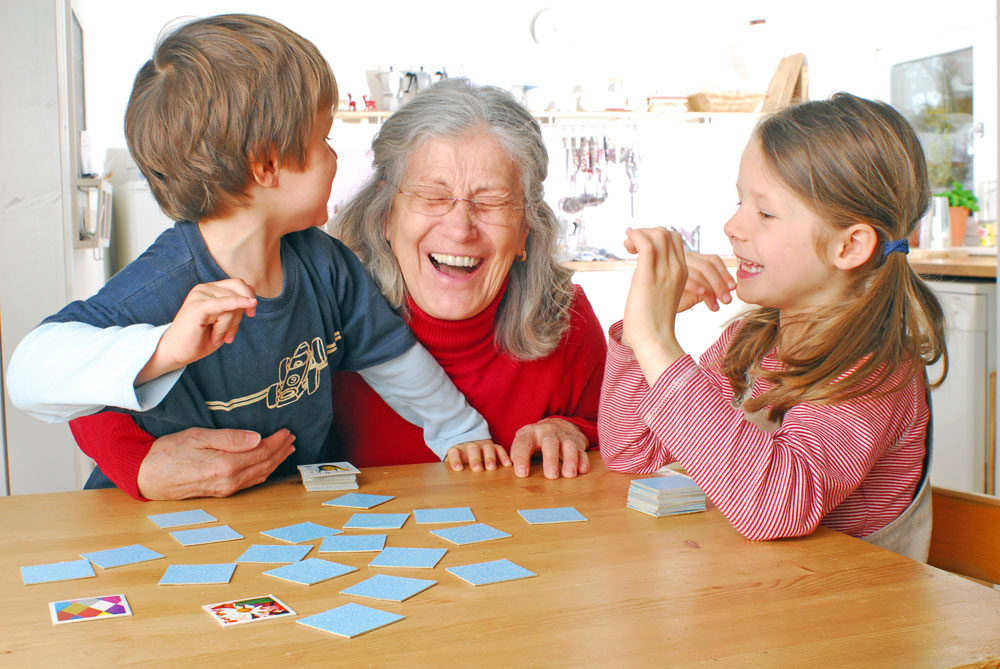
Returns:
(306,191)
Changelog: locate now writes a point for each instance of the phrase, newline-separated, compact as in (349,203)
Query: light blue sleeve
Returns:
(61,371)
(416,387)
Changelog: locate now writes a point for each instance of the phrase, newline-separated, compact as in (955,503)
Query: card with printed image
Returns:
(358,500)
(562,514)
(494,571)
(57,571)
(458,514)
(117,557)
(470,534)
(249,610)
(180,518)
(393,588)
(310,571)
(198,574)
(376,521)
(205,535)
(296,534)
(350,620)
(89,608)
(415,558)
(352,543)
(328,469)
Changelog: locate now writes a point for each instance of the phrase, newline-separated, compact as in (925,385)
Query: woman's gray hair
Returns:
(534,313)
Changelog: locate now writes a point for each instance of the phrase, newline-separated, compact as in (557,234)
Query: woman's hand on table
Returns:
(563,447)
(478,455)
(200,462)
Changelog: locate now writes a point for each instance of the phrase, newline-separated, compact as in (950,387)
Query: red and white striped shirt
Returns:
(853,466)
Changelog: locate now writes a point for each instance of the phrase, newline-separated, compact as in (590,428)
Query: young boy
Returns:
(228,122)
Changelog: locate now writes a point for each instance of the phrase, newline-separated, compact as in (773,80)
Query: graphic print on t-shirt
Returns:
(299,374)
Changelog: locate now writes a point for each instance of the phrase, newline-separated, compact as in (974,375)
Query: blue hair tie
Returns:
(900,245)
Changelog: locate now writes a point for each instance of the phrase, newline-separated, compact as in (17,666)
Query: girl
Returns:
(813,407)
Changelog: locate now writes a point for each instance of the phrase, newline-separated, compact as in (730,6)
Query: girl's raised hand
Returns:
(708,281)
(654,298)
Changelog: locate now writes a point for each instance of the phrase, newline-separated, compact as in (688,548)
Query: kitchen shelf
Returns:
(551,117)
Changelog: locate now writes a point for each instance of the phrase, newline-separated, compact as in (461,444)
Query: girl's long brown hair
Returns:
(850,160)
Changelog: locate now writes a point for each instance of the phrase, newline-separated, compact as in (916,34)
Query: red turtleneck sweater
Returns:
(366,432)
(508,393)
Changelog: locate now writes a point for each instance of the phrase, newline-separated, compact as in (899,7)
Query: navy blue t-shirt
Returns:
(278,371)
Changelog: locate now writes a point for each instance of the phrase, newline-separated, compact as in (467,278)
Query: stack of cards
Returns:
(329,476)
(670,494)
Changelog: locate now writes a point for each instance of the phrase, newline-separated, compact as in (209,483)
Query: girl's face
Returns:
(777,239)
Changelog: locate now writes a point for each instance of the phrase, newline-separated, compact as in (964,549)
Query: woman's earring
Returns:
(523,255)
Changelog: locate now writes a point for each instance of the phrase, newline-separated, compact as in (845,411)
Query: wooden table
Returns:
(622,589)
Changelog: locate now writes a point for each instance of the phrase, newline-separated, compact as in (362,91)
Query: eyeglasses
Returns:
(437,202)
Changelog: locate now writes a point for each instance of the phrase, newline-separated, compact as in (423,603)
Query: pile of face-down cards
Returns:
(329,476)
(669,493)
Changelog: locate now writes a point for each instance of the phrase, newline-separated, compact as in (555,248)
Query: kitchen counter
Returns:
(959,263)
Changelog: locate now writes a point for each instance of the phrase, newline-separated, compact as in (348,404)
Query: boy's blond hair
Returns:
(218,94)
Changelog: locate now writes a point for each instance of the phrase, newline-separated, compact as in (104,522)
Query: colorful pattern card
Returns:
(89,608)
(495,571)
(197,574)
(418,558)
(353,543)
(561,514)
(116,557)
(325,469)
(296,534)
(57,571)
(350,620)
(206,535)
(376,521)
(251,610)
(358,500)
(310,571)
(393,588)
(458,514)
(268,553)
(470,534)
(179,518)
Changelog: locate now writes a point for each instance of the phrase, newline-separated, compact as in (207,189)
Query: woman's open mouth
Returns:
(454,265)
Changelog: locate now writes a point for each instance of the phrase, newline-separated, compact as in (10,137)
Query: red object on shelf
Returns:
(369,104)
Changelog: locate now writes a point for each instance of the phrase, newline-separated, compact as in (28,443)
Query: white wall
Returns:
(671,48)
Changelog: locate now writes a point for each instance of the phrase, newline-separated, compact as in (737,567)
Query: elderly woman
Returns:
(453,228)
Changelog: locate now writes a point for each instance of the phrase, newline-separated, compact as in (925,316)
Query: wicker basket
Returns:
(731,101)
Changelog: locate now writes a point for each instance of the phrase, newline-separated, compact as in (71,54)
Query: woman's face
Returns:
(454,263)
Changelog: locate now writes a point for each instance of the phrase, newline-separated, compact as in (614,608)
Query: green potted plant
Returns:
(961,203)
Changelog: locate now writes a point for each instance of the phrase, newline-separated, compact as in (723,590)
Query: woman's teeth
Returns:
(467,263)
(750,267)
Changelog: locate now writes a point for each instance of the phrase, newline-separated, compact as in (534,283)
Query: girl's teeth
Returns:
(455,261)
(750,267)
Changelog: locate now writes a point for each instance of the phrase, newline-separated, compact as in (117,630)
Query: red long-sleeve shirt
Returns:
(507,392)
(366,432)
(852,466)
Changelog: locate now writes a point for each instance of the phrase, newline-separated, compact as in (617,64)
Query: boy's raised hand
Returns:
(208,318)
